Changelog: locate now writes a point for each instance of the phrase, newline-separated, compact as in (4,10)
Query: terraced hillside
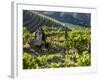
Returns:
(67,45)
(33,20)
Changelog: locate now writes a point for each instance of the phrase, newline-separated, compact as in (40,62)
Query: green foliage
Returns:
(58,54)
(27,36)
(79,39)
(84,59)
(28,61)
(47,61)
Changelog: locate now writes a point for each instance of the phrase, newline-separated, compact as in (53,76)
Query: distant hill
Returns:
(32,20)
(81,19)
